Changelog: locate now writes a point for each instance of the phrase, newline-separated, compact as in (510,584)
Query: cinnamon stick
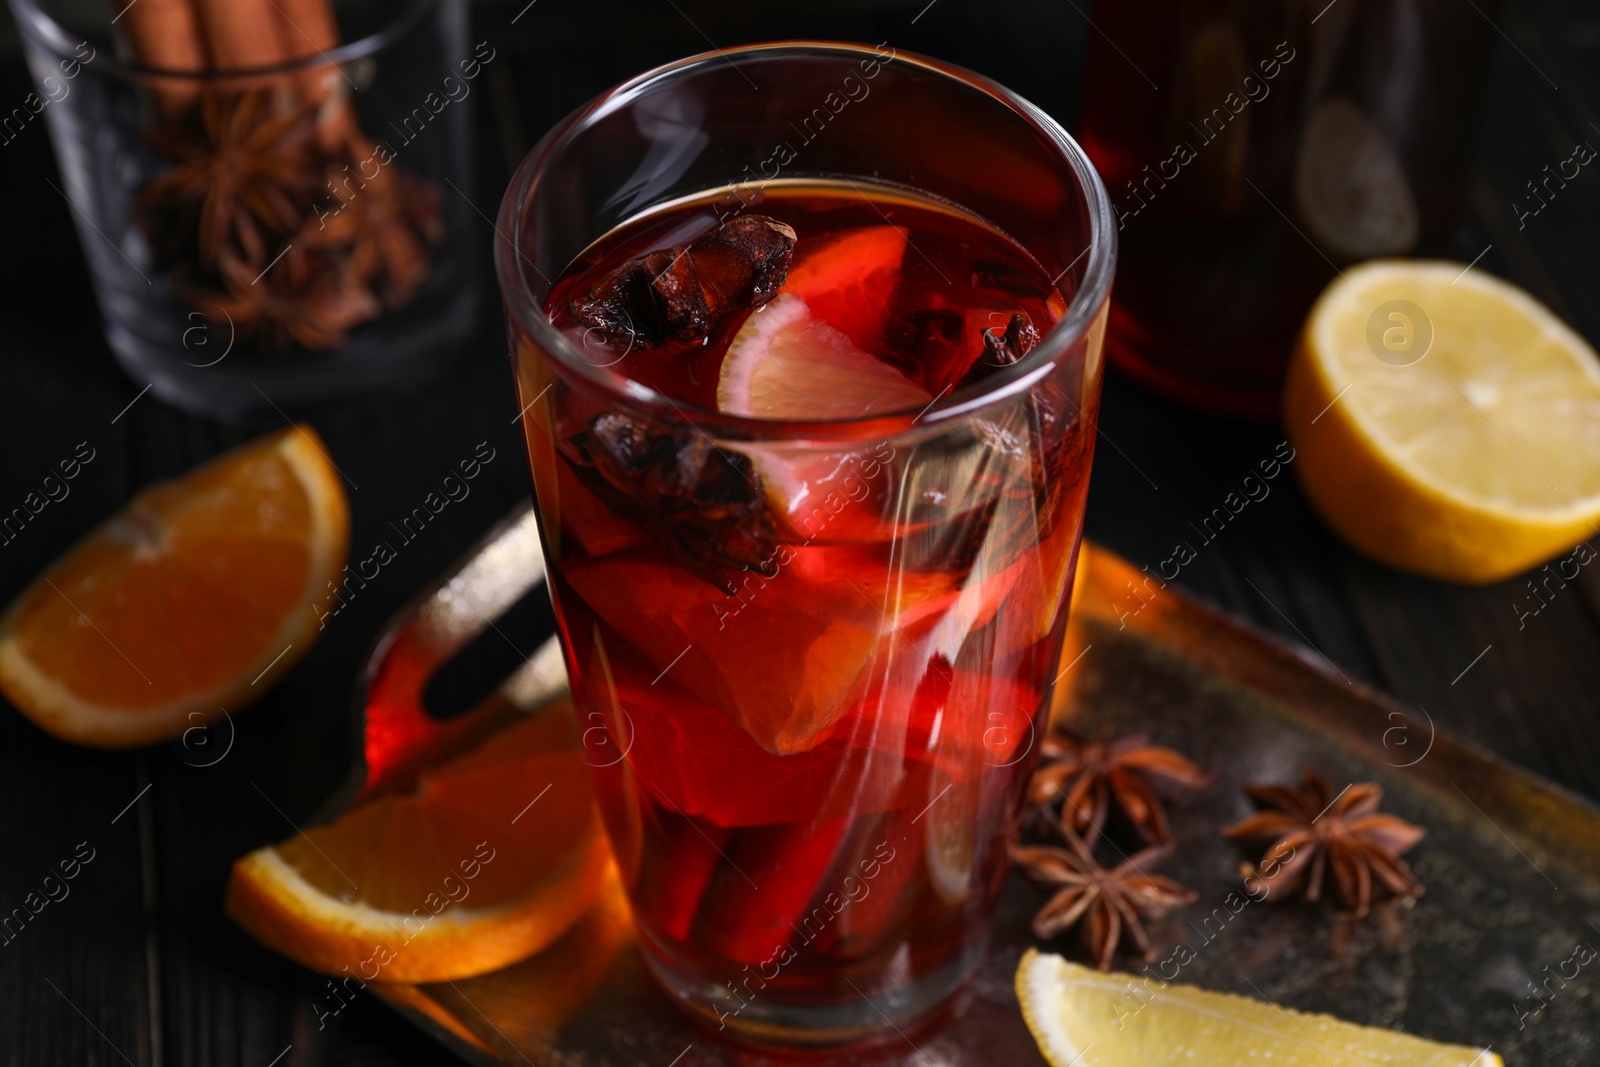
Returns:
(240,34)
(165,35)
(308,28)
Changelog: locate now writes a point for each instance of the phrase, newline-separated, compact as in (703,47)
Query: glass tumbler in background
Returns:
(812,657)
(265,234)
(1251,149)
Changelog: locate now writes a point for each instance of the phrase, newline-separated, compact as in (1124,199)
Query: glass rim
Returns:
(1007,382)
(43,29)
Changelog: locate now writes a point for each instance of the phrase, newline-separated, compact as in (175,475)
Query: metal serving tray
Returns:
(1511,862)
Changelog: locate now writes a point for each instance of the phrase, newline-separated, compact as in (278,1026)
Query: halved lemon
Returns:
(1445,422)
(493,856)
(1087,1018)
(192,600)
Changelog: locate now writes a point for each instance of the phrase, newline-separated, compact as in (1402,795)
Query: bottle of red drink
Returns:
(810,454)
(1255,151)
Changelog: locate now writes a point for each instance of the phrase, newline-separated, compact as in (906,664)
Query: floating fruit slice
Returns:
(951,826)
(672,735)
(1350,187)
(857,582)
(193,599)
(880,871)
(680,863)
(491,858)
(787,363)
(1087,1018)
(765,656)
(768,892)
(849,281)
(1444,421)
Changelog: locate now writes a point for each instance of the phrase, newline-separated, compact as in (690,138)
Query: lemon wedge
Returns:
(1086,1018)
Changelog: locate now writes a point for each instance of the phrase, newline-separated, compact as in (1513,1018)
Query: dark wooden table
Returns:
(139,965)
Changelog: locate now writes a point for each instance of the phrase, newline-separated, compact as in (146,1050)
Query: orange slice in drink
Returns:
(493,856)
(848,281)
(193,599)
(767,657)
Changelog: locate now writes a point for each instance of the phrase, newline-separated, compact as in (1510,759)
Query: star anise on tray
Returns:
(706,504)
(1317,837)
(1111,905)
(1089,777)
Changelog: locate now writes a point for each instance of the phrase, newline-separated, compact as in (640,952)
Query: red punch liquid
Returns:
(811,763)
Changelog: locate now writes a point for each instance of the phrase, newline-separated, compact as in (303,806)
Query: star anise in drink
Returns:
(1111,905)
(1089,777)
(1055,436)
(704,503)
(1002,347)
(1317,837)
(682,293)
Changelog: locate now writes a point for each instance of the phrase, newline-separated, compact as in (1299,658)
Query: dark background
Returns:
(139,965)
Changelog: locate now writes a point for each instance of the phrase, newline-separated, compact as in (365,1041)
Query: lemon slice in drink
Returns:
(785,363)
(1088,1018)
(952,833)
(1444,421)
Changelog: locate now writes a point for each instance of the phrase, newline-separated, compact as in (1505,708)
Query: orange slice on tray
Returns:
(491,858)
(190,601)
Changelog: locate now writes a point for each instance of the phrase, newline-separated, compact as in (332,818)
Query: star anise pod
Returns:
(682,293)
(1316,836)
(1002,347)
(704,503)
(385,227)
(1113,902)
(241,178)
(253,240)
(1088,776)
(304,296)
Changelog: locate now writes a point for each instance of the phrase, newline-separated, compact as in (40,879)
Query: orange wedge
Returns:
(491,858)
(192,600)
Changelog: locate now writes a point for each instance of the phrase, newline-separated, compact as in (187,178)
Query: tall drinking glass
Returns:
(812,656)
